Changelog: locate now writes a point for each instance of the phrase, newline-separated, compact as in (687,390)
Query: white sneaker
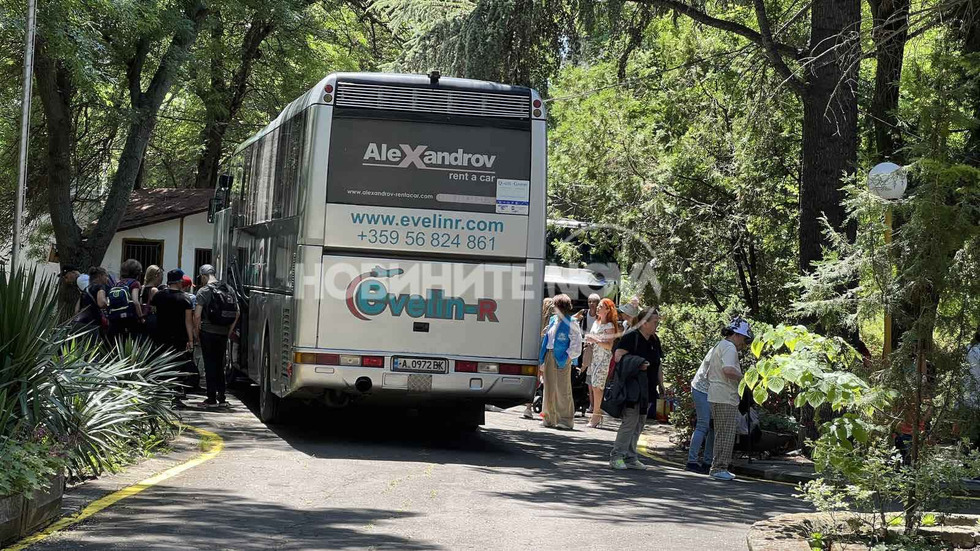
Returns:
(635,464)
(723,475)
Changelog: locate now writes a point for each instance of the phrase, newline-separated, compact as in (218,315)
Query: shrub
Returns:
(102,405)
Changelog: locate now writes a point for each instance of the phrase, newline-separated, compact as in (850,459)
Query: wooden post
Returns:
(887,348)
(180,246)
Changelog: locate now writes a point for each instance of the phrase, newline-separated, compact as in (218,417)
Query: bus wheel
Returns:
(470,416)
(270,405)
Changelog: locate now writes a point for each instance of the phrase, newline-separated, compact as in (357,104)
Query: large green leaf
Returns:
(760,394)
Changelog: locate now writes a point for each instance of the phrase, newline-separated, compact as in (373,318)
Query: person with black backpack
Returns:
(175,325)
(215,316)
(125,311)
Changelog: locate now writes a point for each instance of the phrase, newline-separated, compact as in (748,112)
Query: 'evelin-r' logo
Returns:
(367,296)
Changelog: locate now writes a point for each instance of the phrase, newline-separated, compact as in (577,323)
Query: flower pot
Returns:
(43,506)
(776,442)
(11,514)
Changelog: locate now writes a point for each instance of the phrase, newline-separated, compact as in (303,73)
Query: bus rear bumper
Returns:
(383,384)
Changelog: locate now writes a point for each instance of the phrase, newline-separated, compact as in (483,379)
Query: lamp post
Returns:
(888,181)
(25,126)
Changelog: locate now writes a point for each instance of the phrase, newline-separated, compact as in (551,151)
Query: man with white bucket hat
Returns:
(724,375)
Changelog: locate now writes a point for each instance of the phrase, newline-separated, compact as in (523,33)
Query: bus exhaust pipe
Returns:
(363,384)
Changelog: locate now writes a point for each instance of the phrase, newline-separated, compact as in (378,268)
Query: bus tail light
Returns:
(465,367)
(536,103)
(318,359)
(373,361)
(517,369)
(328,89)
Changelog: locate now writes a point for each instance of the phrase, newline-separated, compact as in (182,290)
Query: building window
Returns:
(201,257)
(146,251)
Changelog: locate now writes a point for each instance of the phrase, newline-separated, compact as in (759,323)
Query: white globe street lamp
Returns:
(888,181)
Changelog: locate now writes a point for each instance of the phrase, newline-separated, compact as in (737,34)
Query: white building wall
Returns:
(197,234)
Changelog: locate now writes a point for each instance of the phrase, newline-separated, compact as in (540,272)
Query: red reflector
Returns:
(372,361)
(329,89)
(328,359)
(511,369)
(465,367)
(537,103)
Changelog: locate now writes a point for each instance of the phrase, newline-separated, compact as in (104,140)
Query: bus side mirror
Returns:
(213,206)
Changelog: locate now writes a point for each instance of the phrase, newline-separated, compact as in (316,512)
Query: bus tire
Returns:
(471,416)
(270,405)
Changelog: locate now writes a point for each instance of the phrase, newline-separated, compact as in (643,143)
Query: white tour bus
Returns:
(386,237)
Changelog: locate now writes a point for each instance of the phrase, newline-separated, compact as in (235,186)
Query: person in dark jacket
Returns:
(633,376)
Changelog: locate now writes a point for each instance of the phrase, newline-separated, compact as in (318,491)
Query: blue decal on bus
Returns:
(368,296)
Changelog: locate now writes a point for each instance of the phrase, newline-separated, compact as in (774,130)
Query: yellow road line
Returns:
(92,508)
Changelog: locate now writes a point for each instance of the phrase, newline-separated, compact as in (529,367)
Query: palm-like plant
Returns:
(102,402)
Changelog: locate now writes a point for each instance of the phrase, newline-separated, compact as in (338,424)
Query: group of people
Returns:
(622,354)
(168,313)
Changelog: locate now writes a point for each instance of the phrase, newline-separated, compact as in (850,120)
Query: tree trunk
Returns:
(830,117)
(56,90)
(890,33)
(223,101)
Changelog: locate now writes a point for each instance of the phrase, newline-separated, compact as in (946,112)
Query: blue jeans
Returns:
(703,433)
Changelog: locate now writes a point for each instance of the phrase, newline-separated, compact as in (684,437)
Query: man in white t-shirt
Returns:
(724,376)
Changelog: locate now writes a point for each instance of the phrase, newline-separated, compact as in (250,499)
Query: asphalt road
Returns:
(362,481)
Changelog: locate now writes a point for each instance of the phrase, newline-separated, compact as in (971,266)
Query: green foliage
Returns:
(100,407)
(683,174)
(28,462)
(777,422)
(816,368)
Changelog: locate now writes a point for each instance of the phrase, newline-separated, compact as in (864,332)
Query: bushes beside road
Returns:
(67,402)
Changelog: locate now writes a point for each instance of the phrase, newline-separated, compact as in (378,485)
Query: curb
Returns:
(789,478)
(217,444)
(792,478)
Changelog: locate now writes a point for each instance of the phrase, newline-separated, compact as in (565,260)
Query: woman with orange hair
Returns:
(601,336)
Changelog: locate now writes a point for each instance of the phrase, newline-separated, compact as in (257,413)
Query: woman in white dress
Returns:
(601,336)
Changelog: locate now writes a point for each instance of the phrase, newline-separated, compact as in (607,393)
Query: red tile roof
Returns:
(150,206)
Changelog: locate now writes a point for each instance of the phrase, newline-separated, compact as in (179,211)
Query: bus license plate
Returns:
(420,365)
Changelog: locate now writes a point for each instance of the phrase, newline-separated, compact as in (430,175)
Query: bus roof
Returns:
(314,95)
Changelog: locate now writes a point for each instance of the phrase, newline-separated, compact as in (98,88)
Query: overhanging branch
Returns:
(721,24)
(769,45)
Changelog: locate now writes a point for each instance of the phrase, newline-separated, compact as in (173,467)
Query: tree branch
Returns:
(142,124)
(721,24)
(134,70)
(770,47)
